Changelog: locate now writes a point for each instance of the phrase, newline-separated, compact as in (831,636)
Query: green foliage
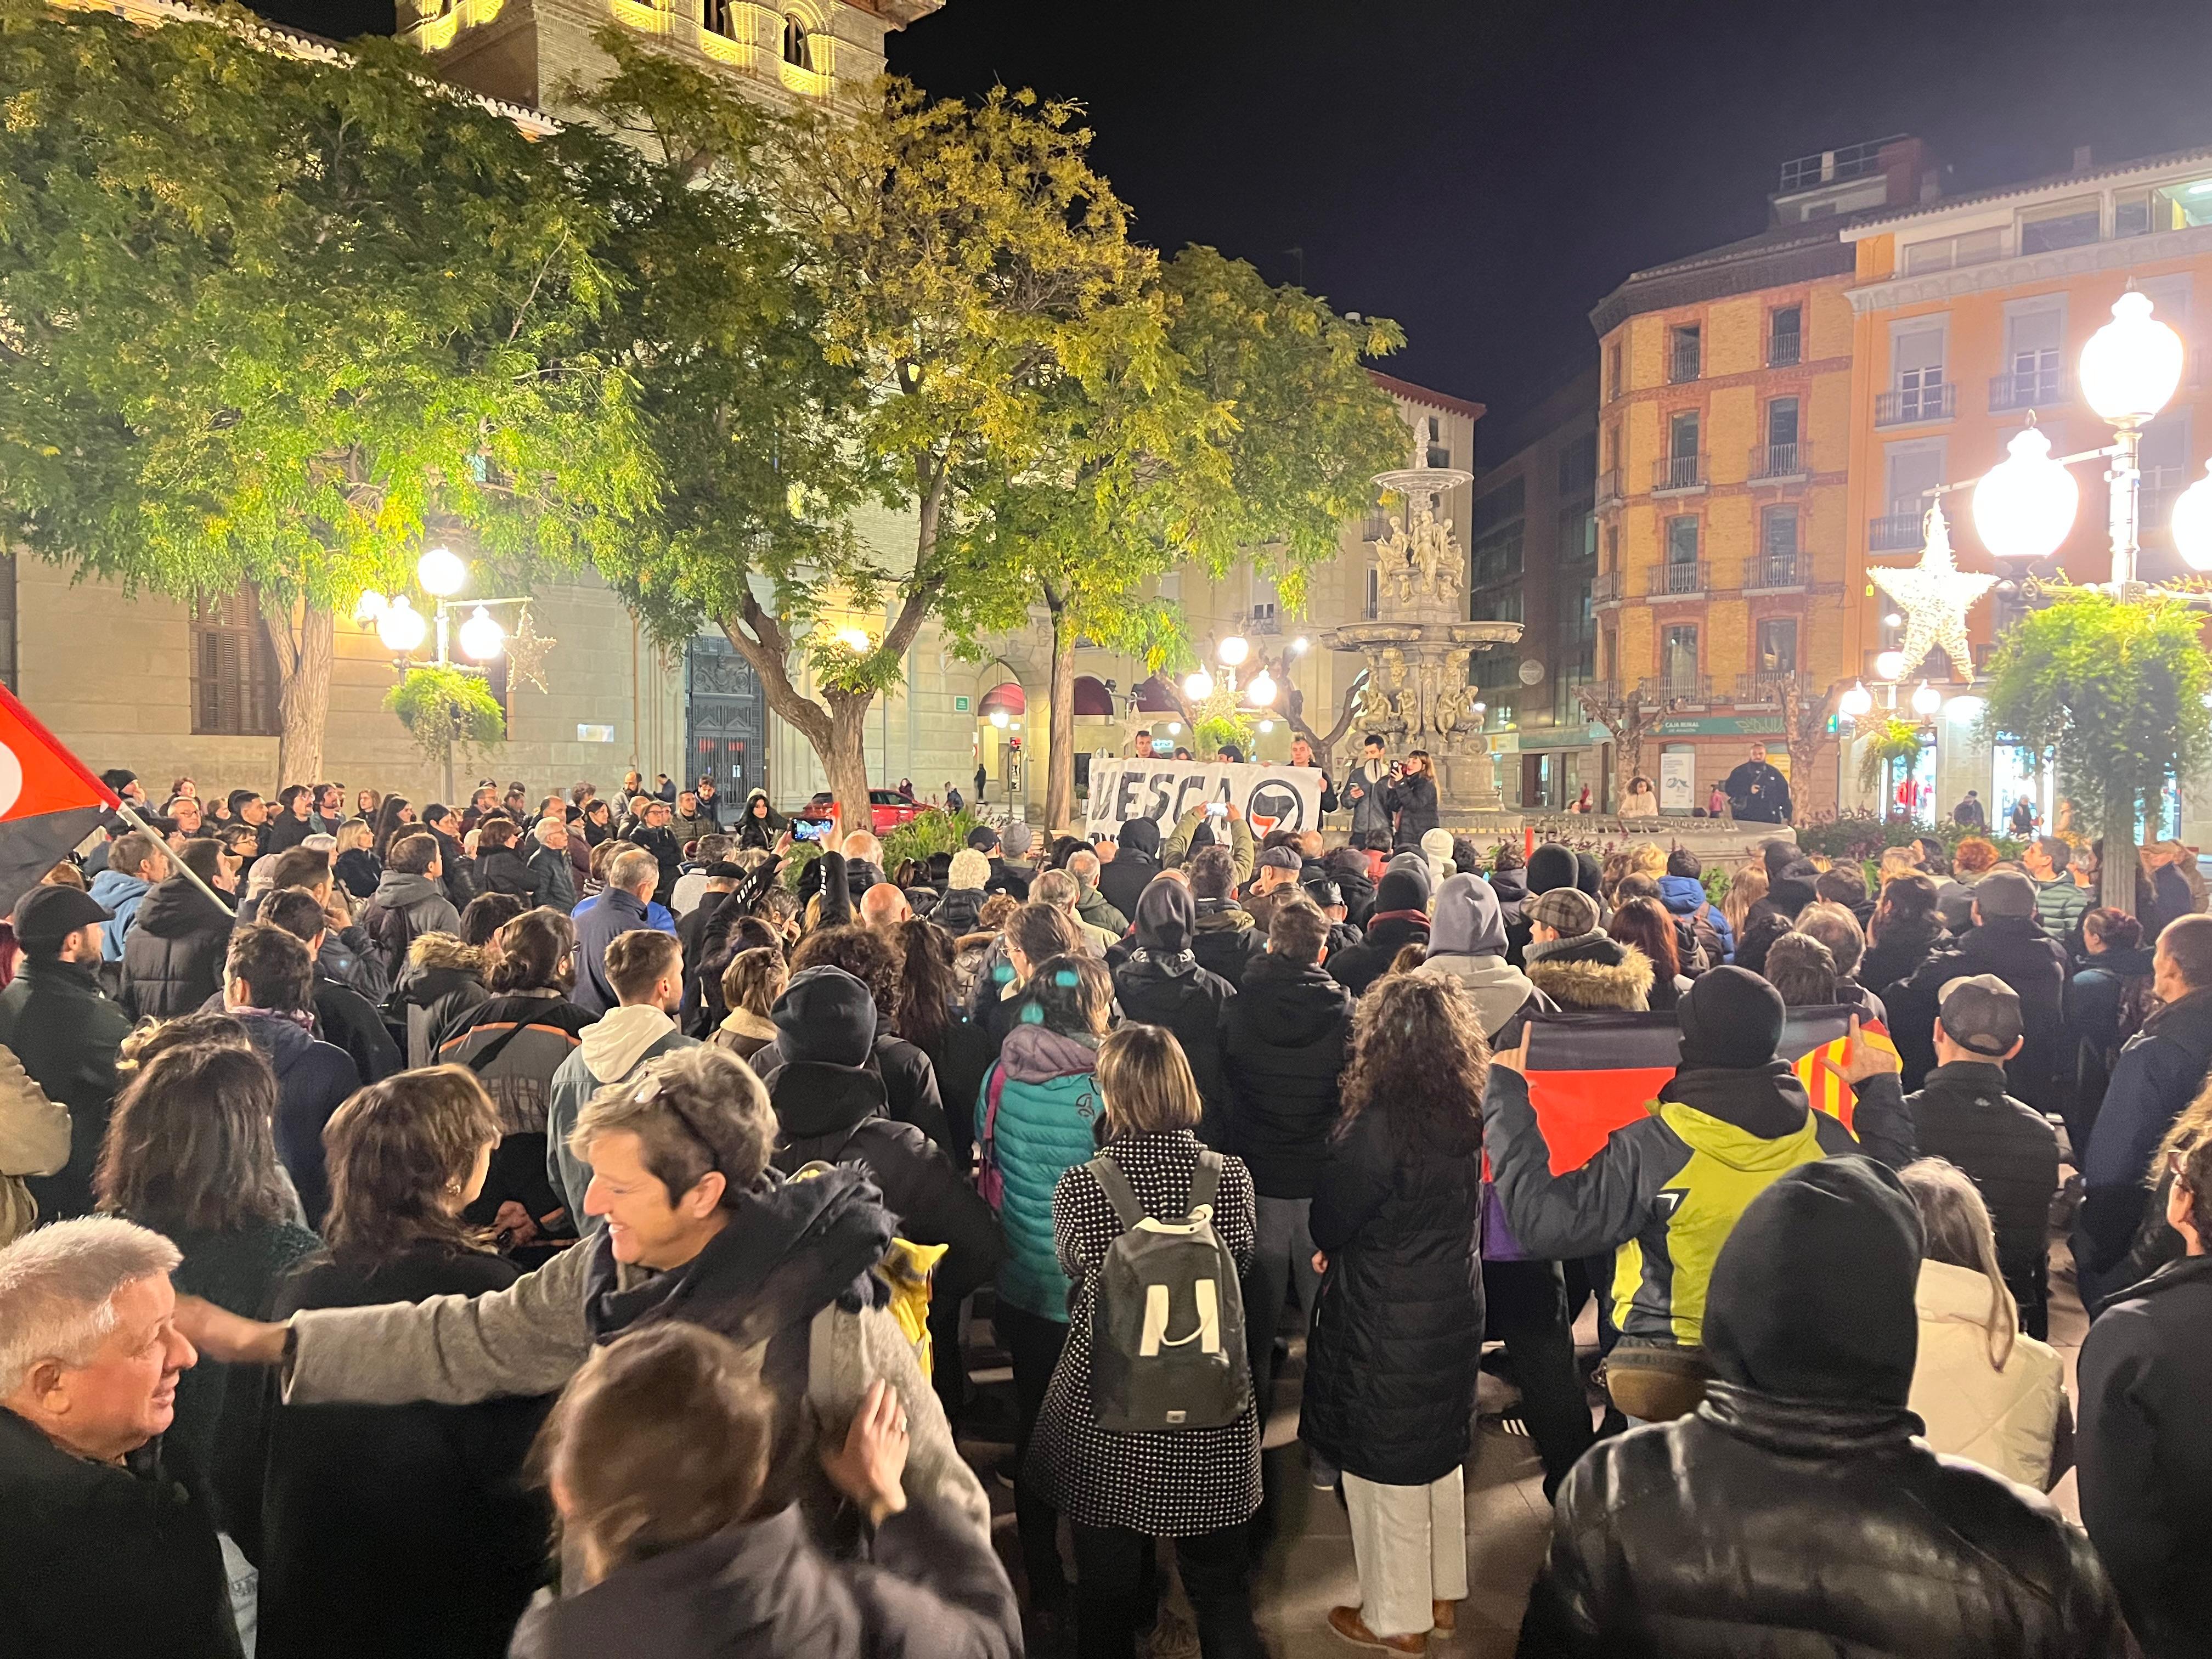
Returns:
(1716,877)
(1863,836)
(934,831)
(1898,740)
(275,320)
(796,858)
(2115,689)
(446,709)
(1213,735)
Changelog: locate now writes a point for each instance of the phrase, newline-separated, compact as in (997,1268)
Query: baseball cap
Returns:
(1324,893)
(49,915)
(2005,893)
(983,838)
(1981,1012)
(1569,910)
(1281,857)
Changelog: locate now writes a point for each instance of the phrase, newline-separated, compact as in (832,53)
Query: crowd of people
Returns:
(552,1225)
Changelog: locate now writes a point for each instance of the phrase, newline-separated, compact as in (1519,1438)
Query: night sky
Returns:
(1484,171)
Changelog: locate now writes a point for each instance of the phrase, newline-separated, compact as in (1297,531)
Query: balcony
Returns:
(1768,573)
(1787,462)
(1608,488)
(1684,360)
(1785,348)
(1894,532)
(1678,690)
(1608,588)
(1678,579)
(1916,405)
(1678,475)
(2036,388)
(1763,691)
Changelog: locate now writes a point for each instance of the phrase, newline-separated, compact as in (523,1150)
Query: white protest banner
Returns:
(1271,796)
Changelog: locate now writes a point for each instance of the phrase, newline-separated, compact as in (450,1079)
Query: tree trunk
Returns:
(2117,879)
(1059,735)
(304,641)
(845,758)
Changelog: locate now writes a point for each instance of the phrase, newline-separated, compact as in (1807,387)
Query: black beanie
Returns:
(1729,1017)
(1811,1298)
(1165,915)
(1400,890)
(1589,875)
(1551,866)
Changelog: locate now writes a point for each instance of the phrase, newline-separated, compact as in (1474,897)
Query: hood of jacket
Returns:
(825,1014)
(618,1039)
(791,1249)
(1794,888)
(395,890)
(176,909)
(1036,1053)
(429,952)
(1499,989)
(1511,886)
(1467,922)
(112,888)
(1141,836)
(1592,971)
(813,1099)
(1812,1295)
(959,910)
(2123,964)
(1743,1114)
(283,1043)
(1681,894)
(1289,1005)
(1166,916)
(1221,916)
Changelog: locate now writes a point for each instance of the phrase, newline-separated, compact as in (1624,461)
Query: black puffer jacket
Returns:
(1900,950)
(1224,939)
(173,957)
(1796,1511)
(2018,951)
(503,869)
(1366,962)
(1168,988)
(1963,1115)
(1397,1328)
(1282,1050)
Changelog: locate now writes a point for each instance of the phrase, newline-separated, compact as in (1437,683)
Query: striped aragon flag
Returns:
(49,800)
(1591,1073)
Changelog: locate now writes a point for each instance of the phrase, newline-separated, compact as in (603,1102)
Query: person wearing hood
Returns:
(1682,890)
(1038,1117)
(1669,1188)
(408,900)
(268,984)
(1574,963)
(829,1106)
(645,968)
(1282,1048)
(694,1227)
(1509,879)
(1467,944)
(759,824)
(1224,937)
(1413,864)
(2006,940)
(1400,918)
(654,1458)
(1133,861)
(1438,850)
(1348,868)
(1797,1509)
(441,984)
(962,907)
(1162,983)
(172,960)
(137,863)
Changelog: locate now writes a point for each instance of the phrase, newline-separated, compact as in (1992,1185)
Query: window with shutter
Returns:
(233,670)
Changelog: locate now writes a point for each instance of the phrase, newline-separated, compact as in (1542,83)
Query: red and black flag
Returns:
(1595,1073)
(49,800)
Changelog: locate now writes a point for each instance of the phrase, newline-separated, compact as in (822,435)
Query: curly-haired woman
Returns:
(1397,1328)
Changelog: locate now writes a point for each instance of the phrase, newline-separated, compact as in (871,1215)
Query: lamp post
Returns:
(442,573)
(1209,697)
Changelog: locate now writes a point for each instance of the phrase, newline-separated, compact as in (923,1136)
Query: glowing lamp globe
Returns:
(369,606)
(1301,645)
(2026,503)
(1175,728)
(1267,727)
(401,627)
(1260,689)
(482,638)
(998,718)
(1198,685)
(852,638)
(2131,365)
(1856,702)
(442,573)
(1233,651)
(1890,664)
(1926,700)
(2192,522)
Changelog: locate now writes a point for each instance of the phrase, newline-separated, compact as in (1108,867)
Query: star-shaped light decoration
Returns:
(526,652)
(1934,596)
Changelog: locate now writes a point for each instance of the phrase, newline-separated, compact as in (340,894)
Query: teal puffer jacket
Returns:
(1035,1119)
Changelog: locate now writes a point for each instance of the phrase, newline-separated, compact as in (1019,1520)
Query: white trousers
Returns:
(1409,1544)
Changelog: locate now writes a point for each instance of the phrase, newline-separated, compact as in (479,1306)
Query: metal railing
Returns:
(2035,388)
(1762,690)
(1910,407)
(1775,569)
(1609,487)
(1893,533)
(1678,579)
(1785,348)
(1788,460)
(1684,359)
(1679,472)
(1609,587)
(1676,690)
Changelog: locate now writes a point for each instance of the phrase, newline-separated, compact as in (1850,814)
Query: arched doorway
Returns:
(1001,746)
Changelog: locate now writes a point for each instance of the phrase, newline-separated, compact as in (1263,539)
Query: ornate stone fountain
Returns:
(1418,646)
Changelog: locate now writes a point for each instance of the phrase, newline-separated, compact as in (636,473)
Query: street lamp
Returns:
(998,718)
(2192,523)
(1926,700)
(1198,685)
(401,627)
(1889,665)
(2025,505)
(1857,703)
(442,573)
(481,639)
(1261,689)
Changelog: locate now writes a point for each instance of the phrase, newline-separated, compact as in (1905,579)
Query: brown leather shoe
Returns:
(1347,1623)
(1446,1615)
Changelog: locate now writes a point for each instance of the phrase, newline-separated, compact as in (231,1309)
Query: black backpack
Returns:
(1158,1277)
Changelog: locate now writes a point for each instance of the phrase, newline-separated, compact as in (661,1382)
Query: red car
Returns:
(887,809)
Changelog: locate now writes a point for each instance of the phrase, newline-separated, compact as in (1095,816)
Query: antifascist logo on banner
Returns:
(1270,796)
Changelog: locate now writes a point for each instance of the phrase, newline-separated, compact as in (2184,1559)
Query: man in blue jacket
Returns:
(632,877)
(2157,1074)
